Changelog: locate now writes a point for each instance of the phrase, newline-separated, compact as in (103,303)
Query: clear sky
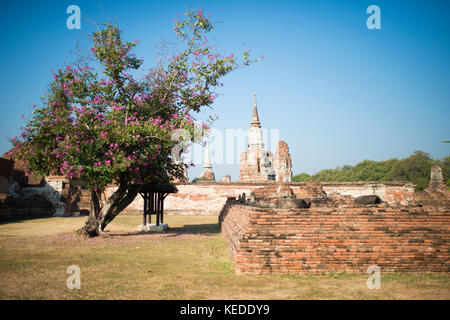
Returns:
(337,92)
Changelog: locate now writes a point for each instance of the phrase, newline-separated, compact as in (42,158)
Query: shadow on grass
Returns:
(196,229)
(26,219)
(207,228)
(23,219)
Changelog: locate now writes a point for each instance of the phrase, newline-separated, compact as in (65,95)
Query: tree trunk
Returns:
(120,206)
(103,213)
(91,223)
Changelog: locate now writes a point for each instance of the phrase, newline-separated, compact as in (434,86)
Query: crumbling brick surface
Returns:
(6,167)
(310,190)
(19,171)
(6,171)
(432,198)
(256,165)
(437,183)
(340,200)
(335,240)
(283,163)
(273,191)
(34,207)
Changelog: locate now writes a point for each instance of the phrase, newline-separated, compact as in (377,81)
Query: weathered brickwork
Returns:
(234,227)
(55,190)
(6,172)
(437,183)
(258,164)
(335,240)
(209,197)
(282,163)
(36,206)
(392,192)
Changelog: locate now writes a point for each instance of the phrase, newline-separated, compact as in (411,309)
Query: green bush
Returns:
(415,168)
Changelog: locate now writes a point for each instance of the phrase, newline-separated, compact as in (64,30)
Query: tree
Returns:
(415,168)
(104,126)
(199,179)
(445,165)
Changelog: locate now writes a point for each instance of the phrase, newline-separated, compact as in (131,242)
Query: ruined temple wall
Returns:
(6,172)
(208,198)
(198,198)
(52,190)
(394,193)
(335,240)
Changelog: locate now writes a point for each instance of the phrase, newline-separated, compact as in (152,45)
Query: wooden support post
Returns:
(145,209)
(154,197)
(157,208)
(161,212)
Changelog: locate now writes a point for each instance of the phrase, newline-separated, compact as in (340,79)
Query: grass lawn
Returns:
(188,261)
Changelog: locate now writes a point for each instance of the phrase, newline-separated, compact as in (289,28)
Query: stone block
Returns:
(368,199)
(152,227)
(289,203)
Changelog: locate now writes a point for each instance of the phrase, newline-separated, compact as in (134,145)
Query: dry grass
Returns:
(188,261)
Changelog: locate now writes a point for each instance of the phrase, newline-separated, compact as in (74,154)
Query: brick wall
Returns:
(334,240)
(208,198)
(234,227)
(52,190)
(6,171)
(34,207)
(391,192)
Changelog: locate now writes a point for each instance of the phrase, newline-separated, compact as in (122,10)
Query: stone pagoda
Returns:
(207,172)
(258,164)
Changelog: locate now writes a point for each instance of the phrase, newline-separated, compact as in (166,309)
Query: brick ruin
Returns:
(258,164)
(208,197)
(339,227)
(332,236)
(436,193)
(283,163)
(259,168)
(437,183)
(282,228)
(53,195)
(22,195)
(274,225)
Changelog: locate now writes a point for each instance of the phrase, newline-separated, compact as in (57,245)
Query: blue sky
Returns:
(338,92)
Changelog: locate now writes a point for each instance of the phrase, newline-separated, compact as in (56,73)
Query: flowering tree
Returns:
(104,126)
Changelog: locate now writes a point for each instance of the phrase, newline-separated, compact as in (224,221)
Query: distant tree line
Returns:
(198,179)
(415,168)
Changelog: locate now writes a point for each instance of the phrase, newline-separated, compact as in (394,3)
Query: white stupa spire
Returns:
(207,161)
(207,171)
(255,134)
